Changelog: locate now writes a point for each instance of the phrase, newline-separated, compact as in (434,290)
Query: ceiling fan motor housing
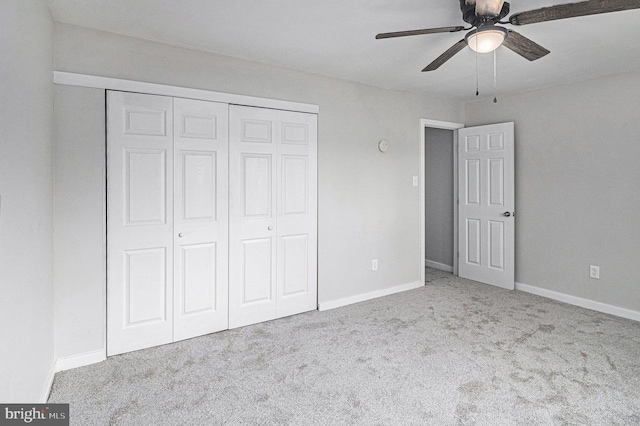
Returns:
(487,36)
(469,14)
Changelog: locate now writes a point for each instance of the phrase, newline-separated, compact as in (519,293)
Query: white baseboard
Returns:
(332,304)
(44,395)
(579,301)
(81,360)
(437,265)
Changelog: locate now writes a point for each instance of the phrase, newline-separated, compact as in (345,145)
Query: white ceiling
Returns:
(336,38)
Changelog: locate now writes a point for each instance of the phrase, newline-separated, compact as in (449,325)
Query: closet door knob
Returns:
(270,228)
(180,235)
(507,214)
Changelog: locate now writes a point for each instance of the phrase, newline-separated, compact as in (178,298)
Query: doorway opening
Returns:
(438,195)
(439,206)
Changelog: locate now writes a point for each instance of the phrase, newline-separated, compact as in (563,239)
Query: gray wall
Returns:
(367,205)
(439,196)
(79,220)
(26,117)
(577,200)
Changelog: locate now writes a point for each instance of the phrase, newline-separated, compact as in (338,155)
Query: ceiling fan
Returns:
(483,15)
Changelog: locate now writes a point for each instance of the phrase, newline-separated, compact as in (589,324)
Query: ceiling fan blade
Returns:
(420,32)
(572,10)
(524,47)
(446,56)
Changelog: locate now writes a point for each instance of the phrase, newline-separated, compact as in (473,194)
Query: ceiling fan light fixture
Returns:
(486,39)
(488,7)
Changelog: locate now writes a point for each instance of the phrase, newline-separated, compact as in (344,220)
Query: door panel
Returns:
(252,213)
(257,286)
(496,245)
(145,184)
(496,182)
(198,279)
(199,170)
(295,184)
(486,193)
(295,254)
(140,222)
(257,196)
(145,120)
(273,223)
(146,285)
(258,130)
(472,191)
(297,213)
(200,234)
(473,241)
(295,133)
(195,125)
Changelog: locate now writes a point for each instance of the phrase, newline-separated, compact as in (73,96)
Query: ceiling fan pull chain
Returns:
(477,85)
(495,78)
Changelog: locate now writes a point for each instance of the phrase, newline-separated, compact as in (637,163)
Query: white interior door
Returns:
(486,204)
(139,221)
(272,227)
(200,218)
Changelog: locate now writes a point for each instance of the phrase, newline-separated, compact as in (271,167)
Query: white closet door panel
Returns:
(140,221)
(295,184)
(252,220)
(146,186)
(295,266)
(256,171)
(198,278)
(256,282)
(201,216)
(297,213)
(145,283)
(252,292)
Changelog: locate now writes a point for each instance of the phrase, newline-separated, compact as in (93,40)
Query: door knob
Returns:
(270,228)
(506,214)
(180,235)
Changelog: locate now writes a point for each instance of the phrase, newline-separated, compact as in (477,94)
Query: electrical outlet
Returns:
(594,272)
(374,265)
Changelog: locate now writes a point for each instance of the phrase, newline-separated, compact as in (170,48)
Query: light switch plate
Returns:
(415,181)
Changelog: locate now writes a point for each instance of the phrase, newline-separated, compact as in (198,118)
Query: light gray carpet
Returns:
(452,352)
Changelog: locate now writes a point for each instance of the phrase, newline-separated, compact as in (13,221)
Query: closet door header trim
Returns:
(108,83)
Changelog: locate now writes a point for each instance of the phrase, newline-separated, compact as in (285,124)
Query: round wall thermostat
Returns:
(383,146)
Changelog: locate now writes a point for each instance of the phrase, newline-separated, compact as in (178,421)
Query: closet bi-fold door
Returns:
(166,220)
(272,226)
(201,218)
(139,221)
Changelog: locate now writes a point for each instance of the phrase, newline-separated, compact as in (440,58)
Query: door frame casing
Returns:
(446,125)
